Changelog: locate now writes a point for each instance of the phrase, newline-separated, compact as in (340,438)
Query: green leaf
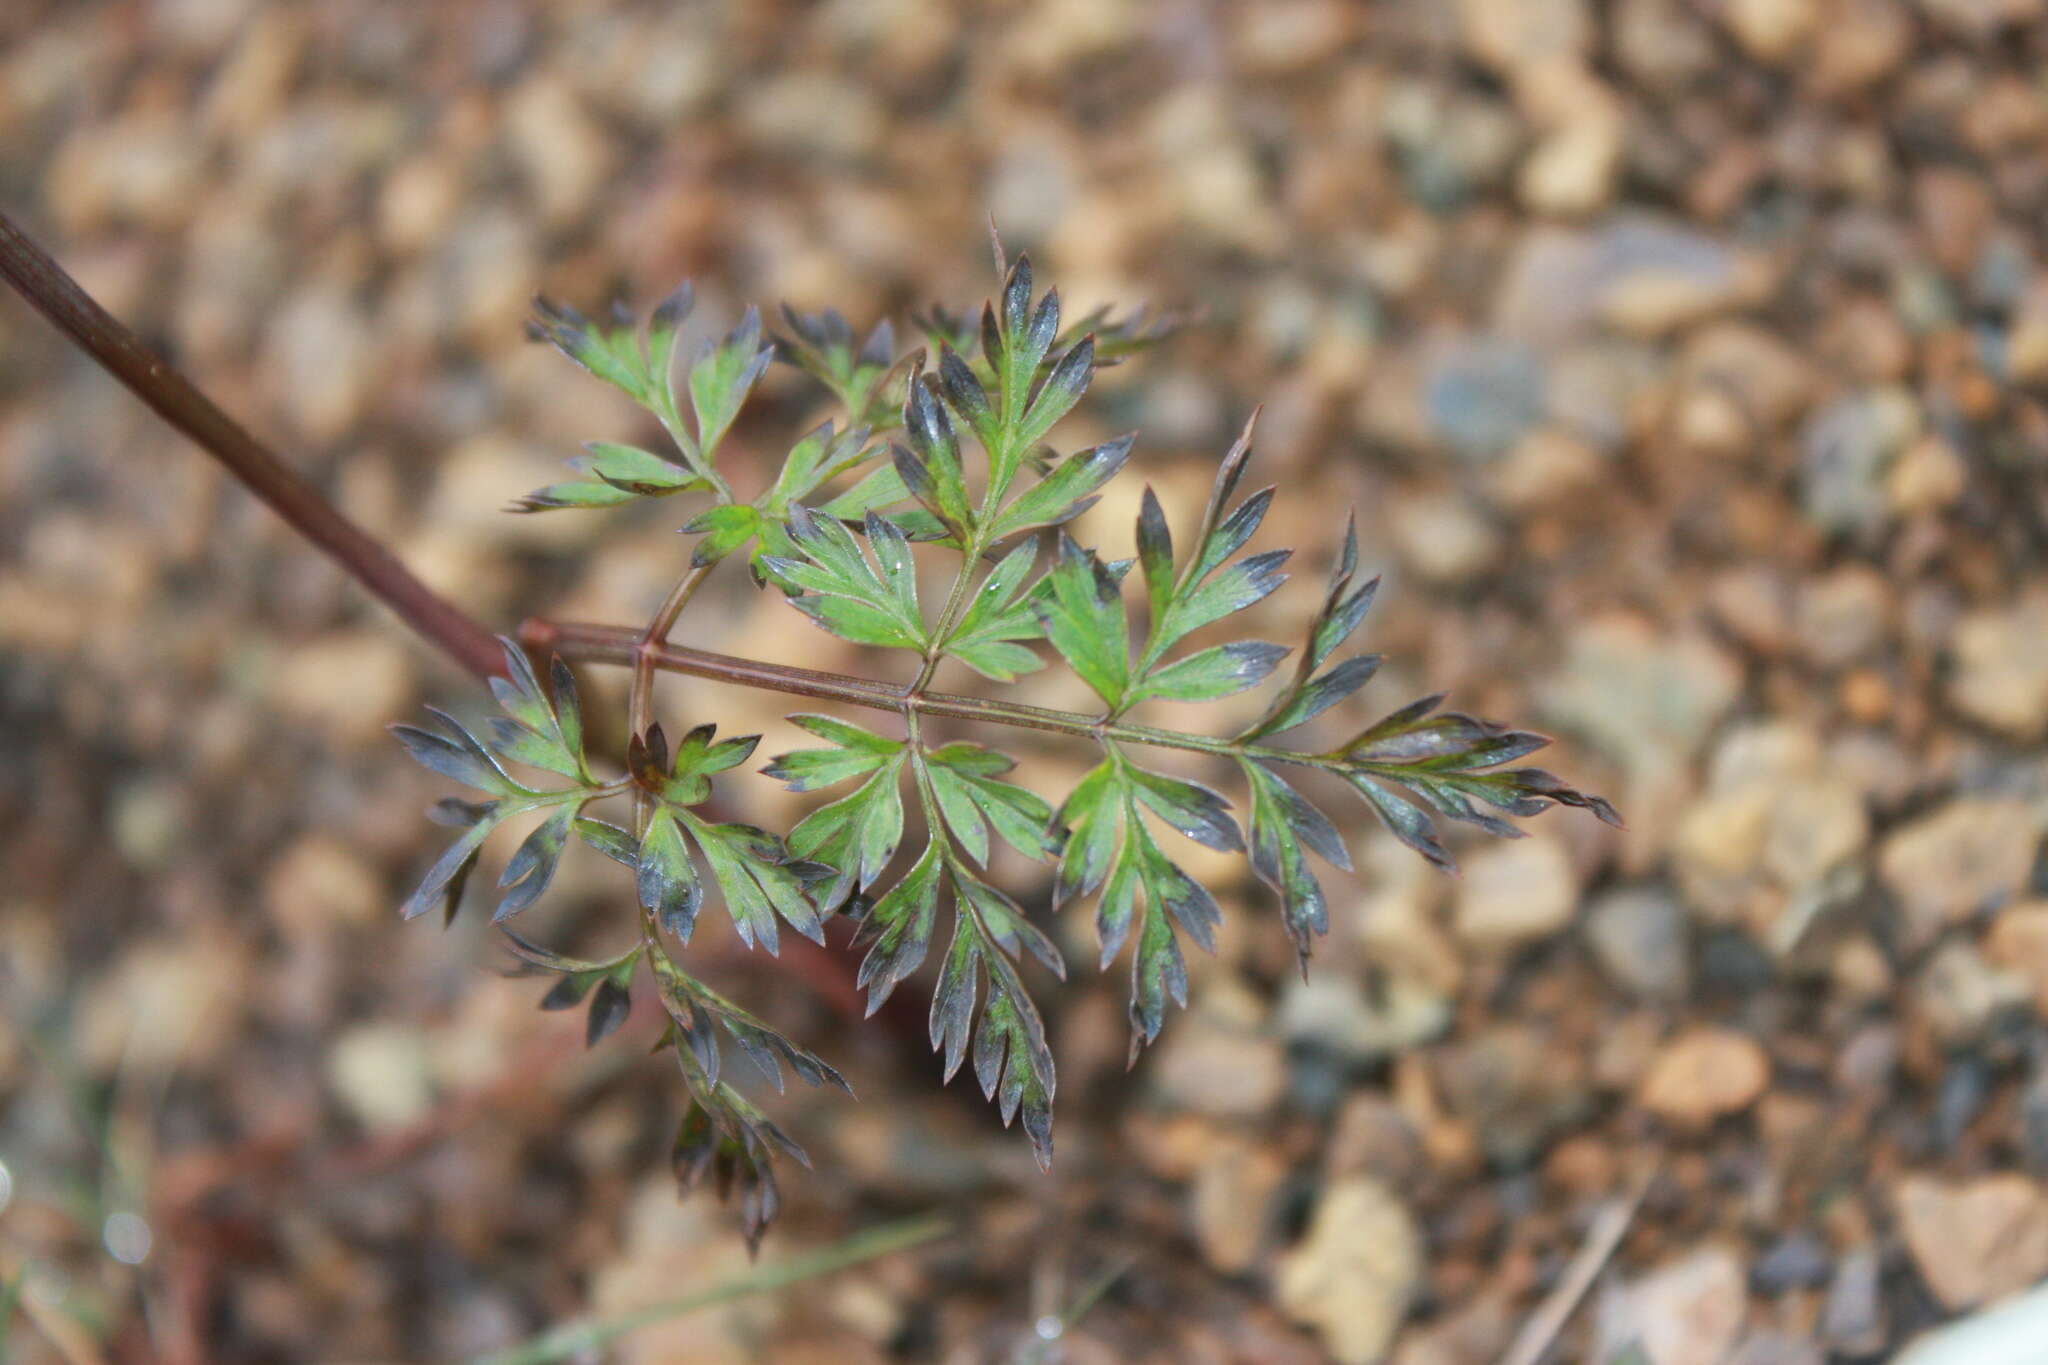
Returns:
(608,1010)
(609,839)
(823,345)
(968,775)
(966,397)
(898,929)
(810,769)
(1304,703)
(583,494)
(880,487)
(951,1021)
(1109,847)
(1233,589)
(462,758)
(612,354)
(694,1007)
(1408,822)
(1065,493)
(820,457)
(1220,671)
(1191,808)
(637,471)
(752,872)
(1083,617)
(930,466)
(1281,824)
(1155,555)
(1011,1059)
(666,878)
(1058,394)
(855,836)
(847,595)
(723,376)
(532,865)
(1000,614)
(664,325)
(684,780)
(613,474)
(1092,816)
(724,529)
(542,731)
(443,883)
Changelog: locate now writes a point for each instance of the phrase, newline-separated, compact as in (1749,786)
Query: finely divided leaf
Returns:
(1083,616)
(1066,492)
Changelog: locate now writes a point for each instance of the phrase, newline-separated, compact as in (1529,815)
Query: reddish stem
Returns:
(58,297)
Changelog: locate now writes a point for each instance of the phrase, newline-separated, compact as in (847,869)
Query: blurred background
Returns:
(1686,360)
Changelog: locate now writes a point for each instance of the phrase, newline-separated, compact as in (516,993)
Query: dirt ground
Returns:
(1686,361)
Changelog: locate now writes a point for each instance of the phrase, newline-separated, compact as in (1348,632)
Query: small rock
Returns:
(145,166)
(350,683)
(1476,1334)
(564,154)
(1352,1277)
(485,273)
(1975,1242)
(416,202)
(1662,278)
(1849,447)
(322,884)
(1954,208)
(1843,616)
(1755,850)
(1772,30)
(1516,892)
(2034,1119)
(1373,1137)
(1516,1088)
(1929,477)
(1662,43)
(1797,1260)
(1973,853)
(1686,1313)
(1233,1190)
(1852,1320)
(2018,940)
(1639,936)
(1776,1348)
(2001,667)
(1960,995)
(1571,172)
(319,361)
(1703,1074)
(1646,699)
(1546,469)
(1868,1061)
(380,1074)
(1339,1015)
(1754,603)
(1443,537)
(1510,34)
(1209,1068)
(1863,43)
(1482,395)
(1769,381)
(2026,345)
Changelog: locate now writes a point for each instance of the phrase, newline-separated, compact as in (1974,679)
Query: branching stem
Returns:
(601,644)
(640,703)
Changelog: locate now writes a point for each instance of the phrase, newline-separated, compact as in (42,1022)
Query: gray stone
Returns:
(1638,935)
(1847,448)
